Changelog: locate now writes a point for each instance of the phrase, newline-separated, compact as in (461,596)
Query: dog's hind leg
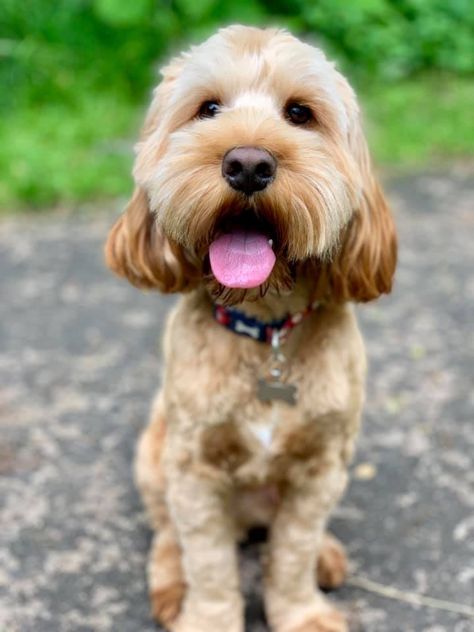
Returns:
(165,577)
(165,574)
(331,568)
(149,475)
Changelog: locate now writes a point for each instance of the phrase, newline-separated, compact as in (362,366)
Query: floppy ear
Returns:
(137,249)
(364,265)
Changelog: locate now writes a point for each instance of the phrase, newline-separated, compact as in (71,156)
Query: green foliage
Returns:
(124,13)
(413,122)
(74,75)
(395,38)
(60,153)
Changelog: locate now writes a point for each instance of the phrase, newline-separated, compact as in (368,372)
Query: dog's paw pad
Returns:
(332,564)
(166,602)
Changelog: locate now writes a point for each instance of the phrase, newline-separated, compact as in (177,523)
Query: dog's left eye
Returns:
(298,114)
(209,109)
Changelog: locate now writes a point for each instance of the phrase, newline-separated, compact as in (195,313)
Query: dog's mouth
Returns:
(242,255)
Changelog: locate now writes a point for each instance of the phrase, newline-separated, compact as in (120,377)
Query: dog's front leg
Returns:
(198,501)
(292,601)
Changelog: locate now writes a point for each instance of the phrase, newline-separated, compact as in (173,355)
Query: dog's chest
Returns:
(247,444)
(259,450)
(264,433)
(265,426)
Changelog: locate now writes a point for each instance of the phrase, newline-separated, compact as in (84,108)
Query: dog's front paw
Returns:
(190,623)
(199,614)
(328,620)
(332,563)
(166,603)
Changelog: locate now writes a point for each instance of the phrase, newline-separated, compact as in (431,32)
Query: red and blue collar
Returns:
(244,325)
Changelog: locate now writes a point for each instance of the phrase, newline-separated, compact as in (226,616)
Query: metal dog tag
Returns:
(274,385)
(268,391)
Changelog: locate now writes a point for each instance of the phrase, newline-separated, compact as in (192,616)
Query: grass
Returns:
(420,122)
(66,153)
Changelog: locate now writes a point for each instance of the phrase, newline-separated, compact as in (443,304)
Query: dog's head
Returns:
(252,167)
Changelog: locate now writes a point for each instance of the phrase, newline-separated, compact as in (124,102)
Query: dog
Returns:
(254,198)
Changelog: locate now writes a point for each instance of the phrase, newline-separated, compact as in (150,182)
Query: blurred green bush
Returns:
(74,74)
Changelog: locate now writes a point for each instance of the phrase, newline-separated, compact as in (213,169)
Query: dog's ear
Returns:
(364,265)
(137,249)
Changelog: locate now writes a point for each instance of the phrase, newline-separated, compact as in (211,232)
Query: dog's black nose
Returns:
(248,169)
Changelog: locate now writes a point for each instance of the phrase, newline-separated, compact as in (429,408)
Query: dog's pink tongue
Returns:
(241,259)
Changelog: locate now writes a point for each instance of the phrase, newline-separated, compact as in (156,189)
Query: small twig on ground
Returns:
(408,597)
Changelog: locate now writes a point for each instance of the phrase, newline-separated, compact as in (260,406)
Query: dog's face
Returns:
(251,163)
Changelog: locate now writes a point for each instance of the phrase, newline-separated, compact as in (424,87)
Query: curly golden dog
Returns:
(255,199)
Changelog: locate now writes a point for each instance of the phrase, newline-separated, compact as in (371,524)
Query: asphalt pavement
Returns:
(79,363)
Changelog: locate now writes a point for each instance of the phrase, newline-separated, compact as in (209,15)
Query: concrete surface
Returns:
(79,363)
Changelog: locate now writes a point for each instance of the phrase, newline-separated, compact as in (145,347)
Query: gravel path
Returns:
(79,361)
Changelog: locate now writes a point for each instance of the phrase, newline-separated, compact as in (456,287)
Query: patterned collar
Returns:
(244,325)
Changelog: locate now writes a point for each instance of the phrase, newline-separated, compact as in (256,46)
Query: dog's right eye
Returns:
(209,109)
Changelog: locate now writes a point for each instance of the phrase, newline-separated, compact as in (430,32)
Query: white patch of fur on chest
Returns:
(264,428)
(264,434)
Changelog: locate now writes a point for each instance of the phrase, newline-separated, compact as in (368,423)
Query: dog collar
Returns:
(244,325)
